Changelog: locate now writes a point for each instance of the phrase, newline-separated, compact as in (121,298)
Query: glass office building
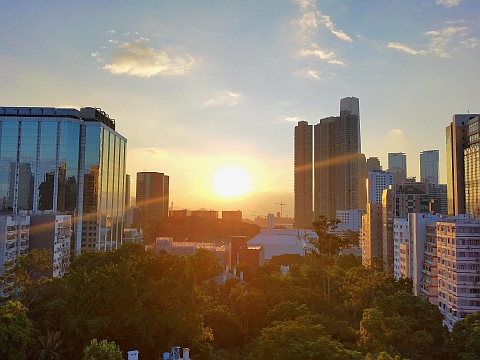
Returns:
(65,161)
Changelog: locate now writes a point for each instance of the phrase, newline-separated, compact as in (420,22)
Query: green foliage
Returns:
(49,346)
(328,244)
(205,265)
(465,338)
(298,339)
(26,271)
(141,300)
(287,259)
(15,331)
(403,324)
(102,350)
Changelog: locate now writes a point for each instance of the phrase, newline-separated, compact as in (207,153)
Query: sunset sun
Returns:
(232,182)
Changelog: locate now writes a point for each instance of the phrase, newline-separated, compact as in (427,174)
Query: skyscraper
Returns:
(429,166)
(340,168)
(303,175)
(65,161)
(397,165)
(462,144)
(152,195)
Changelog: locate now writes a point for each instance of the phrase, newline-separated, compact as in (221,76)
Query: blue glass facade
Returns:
(55,161)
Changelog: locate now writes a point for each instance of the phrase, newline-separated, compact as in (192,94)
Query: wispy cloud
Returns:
(395,132)
(331,26)
(111,31)
(327,55)
(311,18)
(224,98)
(439,39)
(448,3)
(309,23)
(440,42)
(294,119)
(136,58)
(406,49)
(471,43)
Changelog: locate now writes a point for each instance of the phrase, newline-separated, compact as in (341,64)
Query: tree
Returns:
(102,350)
(464,343)
(26,271)
(298,339)
(327,247)
(205,265)
(403,324)
(15,331)
(49,346)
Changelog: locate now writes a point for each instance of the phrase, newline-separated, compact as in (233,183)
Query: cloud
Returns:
(294,119)
(439,39)
(329,56)
(311,18)
(471,43)
(406,49)
(304,4)
(308,20)
(224,98)
(315,74)
(395,132)
(95,54)
(135,58)
(111,31)
(448,3)
(331,26)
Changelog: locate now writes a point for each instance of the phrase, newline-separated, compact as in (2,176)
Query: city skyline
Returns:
(196,88)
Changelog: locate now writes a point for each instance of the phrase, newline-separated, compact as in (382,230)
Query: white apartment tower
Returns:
(401,249)
(458,249)
(377,182)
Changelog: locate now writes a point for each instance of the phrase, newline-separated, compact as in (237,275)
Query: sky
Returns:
(200,86)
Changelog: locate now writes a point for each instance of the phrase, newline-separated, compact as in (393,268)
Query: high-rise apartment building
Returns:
(373,164)
(371,241)
(152,196)
(458,250)
(398,201)
(303,175)
(429,166)
(340,168)
(397,165)
(65,161)
(377,182)
(461,153)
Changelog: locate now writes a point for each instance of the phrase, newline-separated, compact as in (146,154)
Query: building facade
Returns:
(461,145)
(303,175)
(397,165)
(429,166)
(401,249)
(152,196)
(65,161)
(458,249)
(340,168)
(53,233)
(377,182)
(371,241)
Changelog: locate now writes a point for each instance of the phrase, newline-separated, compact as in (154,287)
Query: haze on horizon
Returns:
(197,87)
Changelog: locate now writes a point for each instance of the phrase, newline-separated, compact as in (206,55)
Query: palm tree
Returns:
(49,346)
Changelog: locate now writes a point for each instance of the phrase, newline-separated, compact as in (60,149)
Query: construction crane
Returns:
(268,212)
(282,204)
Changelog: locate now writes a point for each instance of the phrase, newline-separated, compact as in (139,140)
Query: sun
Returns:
(232,182)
